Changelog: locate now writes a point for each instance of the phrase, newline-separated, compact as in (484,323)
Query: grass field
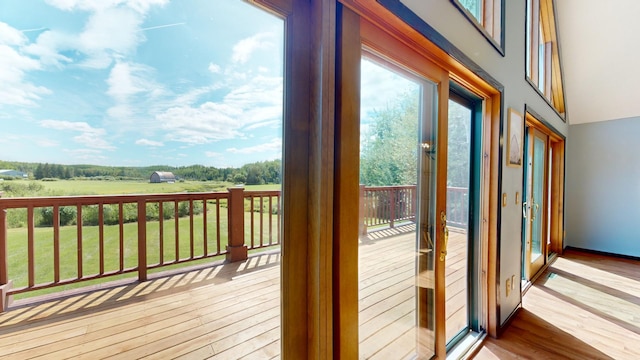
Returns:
(116,187)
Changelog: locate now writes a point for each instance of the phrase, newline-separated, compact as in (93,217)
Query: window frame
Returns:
(492,30)
(542,53)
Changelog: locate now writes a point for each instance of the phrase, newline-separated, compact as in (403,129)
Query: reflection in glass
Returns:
(397,169)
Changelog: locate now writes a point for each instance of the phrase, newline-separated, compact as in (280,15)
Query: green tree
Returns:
(389,148)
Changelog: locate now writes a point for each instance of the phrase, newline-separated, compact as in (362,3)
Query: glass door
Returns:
(457,277)
(535,209)
(398,220)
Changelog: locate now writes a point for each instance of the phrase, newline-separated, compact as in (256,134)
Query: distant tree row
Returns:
(264,172)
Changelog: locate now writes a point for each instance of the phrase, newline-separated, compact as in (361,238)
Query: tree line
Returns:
(263,172)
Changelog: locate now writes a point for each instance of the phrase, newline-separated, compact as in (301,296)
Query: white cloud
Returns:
(127,79)
(111,31)
(141,6)
(10,35)
(151,143)
(248,106)
(212,154)
(380,87)
(47,143)
(89,136)
(88,155)
(274,145)
(214,68)
(48,46)
(244,48)
(14,89)
(132,88)
(205,123)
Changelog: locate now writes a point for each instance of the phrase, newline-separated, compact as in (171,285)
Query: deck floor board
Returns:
(227,311)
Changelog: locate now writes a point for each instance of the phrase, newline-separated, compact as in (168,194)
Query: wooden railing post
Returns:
(142,240)
(5,284)
(362,220)
(236,248)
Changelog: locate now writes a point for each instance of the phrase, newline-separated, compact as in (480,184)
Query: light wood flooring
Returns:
(584,306)
(229,311)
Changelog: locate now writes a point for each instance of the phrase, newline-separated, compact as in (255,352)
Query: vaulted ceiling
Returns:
(600,50)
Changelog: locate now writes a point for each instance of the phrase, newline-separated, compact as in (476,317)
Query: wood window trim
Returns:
(491,24)
(542,15)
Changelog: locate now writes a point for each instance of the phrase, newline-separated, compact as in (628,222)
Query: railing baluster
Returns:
(176,230)
(121,233)
(79,241)
(278,218)
(205,250)
(261,221)
(56,244)
(142,240)
(31,246)
(161,231)
(219,251)
(392,207)
(191,235)
(270,222)
(4,278)
(101,235)
(252,226)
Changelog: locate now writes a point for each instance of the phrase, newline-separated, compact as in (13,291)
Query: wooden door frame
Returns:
(556,185)
(532,133)
(376,18)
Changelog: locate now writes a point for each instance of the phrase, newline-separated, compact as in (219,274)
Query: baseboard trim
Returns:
(604,253)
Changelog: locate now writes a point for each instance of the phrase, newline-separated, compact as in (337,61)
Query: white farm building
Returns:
(162,176)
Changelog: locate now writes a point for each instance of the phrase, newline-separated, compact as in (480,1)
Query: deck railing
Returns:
(120,234)
(457,207)
(382,206)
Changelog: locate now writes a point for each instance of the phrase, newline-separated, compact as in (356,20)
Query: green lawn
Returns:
(115,187)
(44,269)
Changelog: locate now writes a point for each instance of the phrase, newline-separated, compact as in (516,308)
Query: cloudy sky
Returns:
(140,82)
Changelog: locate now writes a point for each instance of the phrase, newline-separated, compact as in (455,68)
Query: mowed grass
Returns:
(44,247)
(116,187)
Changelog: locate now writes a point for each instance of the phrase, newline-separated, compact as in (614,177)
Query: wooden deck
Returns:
(584,306)
(229,311)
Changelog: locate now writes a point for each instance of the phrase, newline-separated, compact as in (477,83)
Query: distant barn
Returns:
(162,176)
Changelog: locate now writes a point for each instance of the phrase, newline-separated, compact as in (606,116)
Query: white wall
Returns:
(509,70)
(603,187)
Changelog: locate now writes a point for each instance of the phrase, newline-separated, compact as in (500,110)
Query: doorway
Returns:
(543,197)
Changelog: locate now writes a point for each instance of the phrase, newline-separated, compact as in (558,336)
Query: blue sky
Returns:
(140,82)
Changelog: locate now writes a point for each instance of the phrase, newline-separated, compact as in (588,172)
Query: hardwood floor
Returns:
(230,311)
(584,306)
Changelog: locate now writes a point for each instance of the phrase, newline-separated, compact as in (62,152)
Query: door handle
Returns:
(445,230)
(524,209)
